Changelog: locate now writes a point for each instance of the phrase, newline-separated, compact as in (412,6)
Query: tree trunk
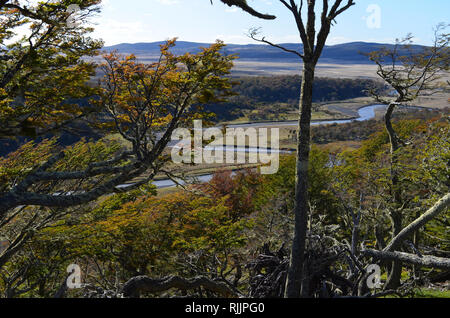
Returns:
(395,275)
(301,209)
(416,239)
(421,261)
(394,278)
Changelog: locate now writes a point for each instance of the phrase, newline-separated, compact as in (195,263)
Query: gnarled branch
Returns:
(425,261)
(438,208)
(244,6)
(143,284)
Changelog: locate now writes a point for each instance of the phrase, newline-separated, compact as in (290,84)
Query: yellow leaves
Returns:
(81,154)
(131,57)
(50,74)
(206,96)
(5,109)
(150,95)
(163,120)
(124,118)
(19,163)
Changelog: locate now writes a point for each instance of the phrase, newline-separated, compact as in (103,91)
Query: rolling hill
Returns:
(348,53)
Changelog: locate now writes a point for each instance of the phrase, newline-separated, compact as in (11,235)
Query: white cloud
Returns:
(232,9)
(113,31)
(168,2)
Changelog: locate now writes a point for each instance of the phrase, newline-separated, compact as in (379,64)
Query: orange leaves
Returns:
(181,222)
(130,57)
(238,191)
(146,96)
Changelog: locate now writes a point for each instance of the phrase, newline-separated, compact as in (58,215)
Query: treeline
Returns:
(358,131)
(285,88)
(256,92)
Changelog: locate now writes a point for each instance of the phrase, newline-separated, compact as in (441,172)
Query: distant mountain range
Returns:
(348,53)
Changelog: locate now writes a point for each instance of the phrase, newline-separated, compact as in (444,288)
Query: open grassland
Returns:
(438,101)
(287,66)
(294,67)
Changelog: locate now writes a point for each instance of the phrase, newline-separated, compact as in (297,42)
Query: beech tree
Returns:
(363,186)
(304,15)
(145,103)
(21,227)
(410,74)
(43,65)
(193,240)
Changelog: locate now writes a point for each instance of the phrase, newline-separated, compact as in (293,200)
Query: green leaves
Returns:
(42,71)
(18,164)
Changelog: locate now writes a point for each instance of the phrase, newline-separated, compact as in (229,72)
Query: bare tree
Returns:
(313,44)
(409,73)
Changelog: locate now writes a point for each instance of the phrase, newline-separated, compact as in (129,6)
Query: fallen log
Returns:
(424,261)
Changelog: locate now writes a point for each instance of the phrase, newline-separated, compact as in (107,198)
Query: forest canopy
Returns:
(258,92)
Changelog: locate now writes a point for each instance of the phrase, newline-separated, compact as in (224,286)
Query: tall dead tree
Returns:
(409,73)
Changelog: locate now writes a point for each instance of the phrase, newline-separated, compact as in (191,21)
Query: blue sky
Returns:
(197,20)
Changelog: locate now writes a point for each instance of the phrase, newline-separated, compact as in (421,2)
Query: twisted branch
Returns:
(143,284)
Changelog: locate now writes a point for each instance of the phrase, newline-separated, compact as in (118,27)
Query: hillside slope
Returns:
(348,53)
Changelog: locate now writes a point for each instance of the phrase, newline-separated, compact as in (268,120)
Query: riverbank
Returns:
(365,113)
(287,142)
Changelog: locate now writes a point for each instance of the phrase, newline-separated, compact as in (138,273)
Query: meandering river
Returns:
(364,113)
